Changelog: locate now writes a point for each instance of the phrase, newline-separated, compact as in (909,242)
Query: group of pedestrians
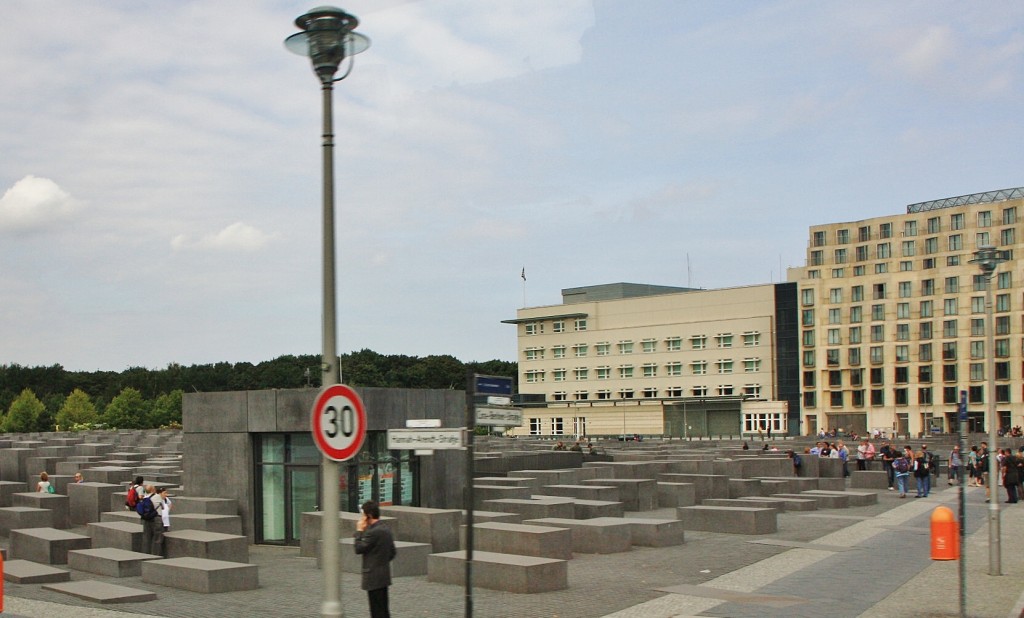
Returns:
(153,505)
(923,465)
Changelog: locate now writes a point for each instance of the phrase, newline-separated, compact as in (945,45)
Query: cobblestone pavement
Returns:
(842,562)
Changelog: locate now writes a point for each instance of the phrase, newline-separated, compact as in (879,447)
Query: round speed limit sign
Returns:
(339,422)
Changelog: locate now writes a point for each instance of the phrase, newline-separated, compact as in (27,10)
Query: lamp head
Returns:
(988,258)
(327,37)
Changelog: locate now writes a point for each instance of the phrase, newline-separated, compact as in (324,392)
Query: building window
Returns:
(625,347)
(649,345)
(840,256)
(580,324)
(726,390)
(558,375)
(751,365)
(534,354)
(809,399)
(934,225)
(877,357)
(878,291)
(1002,348)
(579,350)
(949,306)
(1002,302)
(724,340)
(650,393)
(985,218)
(952,285)
(534,328)
(751,339)
(949,328)
(906,266)
(558,326)
(534,376)
(650,370)
(603,394)
(674,369)
(885,230)
(699,391)
(903,332)
(926,309)
(817,258)
(626,393)
(835,316)
(877,313)
(836,399)
(557,426)
(902,354)
(674,344)
(603,349)
(534,426)
(699,368)
(877,333)
(1007,236)
(558,351)
(837,273)
(977,327)
(626,371)
(858,271)
(931,245)
(901,396)
(807,317)
(976,394)
(833,337)
(808,358)
(581,395)
(924,374)
(909,248)
(977,371)
(581,373)
(877,397)
(842,237)
(1004,280)
(1002,325)
(724,365)
(752,390)
(862,253)
(559,396)
(855,334)
(856,314)
(902,311)
(604,372)
(699,342)
(883,251)
(818,239)
(835,295)
(1010,215)
(674,391)
(863,233)
(924,352)
(956,242)
(982,239)
(853,356)
(956,221)
(924,330)
(949,350)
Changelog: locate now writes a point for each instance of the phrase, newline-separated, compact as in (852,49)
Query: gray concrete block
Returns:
(14,517)
(8,489)
(521,539)
(607,493)
(56,503)
(118,535)
(212,545)
(201,575)
(102,592)
(37,463)
(225,524)
(832,484)
(108,561)
(676,494)
(28,572)
(869,479)
(634,494)
(94,449)
(533,509)
(824,501)
(705,485)
(311,525)
(204,506)
(739,488)
(606,535)
(121,515)
(729,520)
(88,500)
(783,504)
(410,558)
(854,498)
(483,493)
(12,464)
(114,475)
(438,527)
(589,509)
(505,572)
(650,532)
(46,545)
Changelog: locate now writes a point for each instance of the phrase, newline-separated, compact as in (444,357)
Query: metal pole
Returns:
(994,555)
(470,422)
(330,470)
(962,441)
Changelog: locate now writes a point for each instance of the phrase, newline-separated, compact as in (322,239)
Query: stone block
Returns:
(777,504)
(108,561)
(8,489)
(505,572)
(12,464)
(705,485)
(94,449)
(88,500)
(113,475)
(869,479)
(225,524)
(204,506)
(853,498)
(651,532)
(56,503)
(482,516)
(606,535)
(607,493)
(311,526)
(102,592)
(783,504)
(46,545)
(729,520)
(691,466)
(28,572)
(739,488)
(483,493)
(676,494)
(123,515)
(35,464)
(533,509)
(824,501)
(201,575)
(521,539)
(14,517)
(116,534)
(589,509)
(635,494)
(410,558)
(437,527)
(212,545)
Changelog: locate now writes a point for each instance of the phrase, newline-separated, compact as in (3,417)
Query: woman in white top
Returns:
(165,513)
(44,483)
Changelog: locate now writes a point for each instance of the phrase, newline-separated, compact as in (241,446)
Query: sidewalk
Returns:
(863,561)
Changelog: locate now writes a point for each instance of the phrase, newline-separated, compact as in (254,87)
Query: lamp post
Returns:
(988,258)
(328,37)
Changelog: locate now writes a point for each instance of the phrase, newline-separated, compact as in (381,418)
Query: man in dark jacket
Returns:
(374,541)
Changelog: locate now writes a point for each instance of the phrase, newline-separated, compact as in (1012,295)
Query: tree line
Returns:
(44,398)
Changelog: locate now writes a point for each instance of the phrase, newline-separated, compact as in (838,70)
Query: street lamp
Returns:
(328,38)
(988,258)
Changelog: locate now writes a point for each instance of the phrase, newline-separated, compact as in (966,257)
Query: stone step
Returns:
(117,534)
(202,544)
(225,524)
(201,574)
(108,561)
(101,592)
(28,572)
(46,545)
(506,572)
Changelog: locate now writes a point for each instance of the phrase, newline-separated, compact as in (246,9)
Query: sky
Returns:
(160,168)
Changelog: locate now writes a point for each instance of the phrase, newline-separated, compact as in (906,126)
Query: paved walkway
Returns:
(862,561)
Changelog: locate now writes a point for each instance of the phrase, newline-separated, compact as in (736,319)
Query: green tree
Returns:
(24,412)
(78,409)
(166,409)
(128,410)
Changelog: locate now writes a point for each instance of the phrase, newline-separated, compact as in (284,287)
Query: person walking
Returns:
(921,475)
(149,509)
(165,513)
(956,466)
(888,455)
(901,466)
(930,466)
(375,543)
(1011,475)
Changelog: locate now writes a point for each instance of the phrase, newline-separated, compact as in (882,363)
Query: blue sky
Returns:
(160,168)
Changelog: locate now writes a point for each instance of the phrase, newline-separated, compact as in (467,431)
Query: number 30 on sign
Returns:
(339,422)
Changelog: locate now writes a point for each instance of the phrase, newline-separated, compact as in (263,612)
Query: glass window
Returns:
(910,228)
(857,293)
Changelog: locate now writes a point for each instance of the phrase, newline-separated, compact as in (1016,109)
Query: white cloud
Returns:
(35,203)
(235,237)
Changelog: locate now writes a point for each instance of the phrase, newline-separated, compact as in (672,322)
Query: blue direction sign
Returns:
(962,408)
(492,385)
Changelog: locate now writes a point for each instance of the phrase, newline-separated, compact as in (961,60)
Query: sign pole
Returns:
(470,430)
(962,441)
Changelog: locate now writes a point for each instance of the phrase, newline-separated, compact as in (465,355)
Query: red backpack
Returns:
(132,498)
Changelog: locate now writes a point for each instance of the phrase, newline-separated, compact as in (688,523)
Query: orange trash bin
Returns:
(945,535)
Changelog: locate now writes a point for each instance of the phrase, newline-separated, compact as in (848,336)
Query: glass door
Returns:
(288,473)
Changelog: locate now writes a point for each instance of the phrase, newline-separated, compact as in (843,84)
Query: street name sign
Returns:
(498,416)
(418,439)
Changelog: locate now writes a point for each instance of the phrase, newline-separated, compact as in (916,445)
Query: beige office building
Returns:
(639,359)
(893,318)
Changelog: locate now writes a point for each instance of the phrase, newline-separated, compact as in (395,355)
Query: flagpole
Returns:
(523,276)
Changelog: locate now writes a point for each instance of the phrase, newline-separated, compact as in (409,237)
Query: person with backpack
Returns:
(931,466)
(921,474)
(135,492)
(44,485)
(901,470)
(150,508)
